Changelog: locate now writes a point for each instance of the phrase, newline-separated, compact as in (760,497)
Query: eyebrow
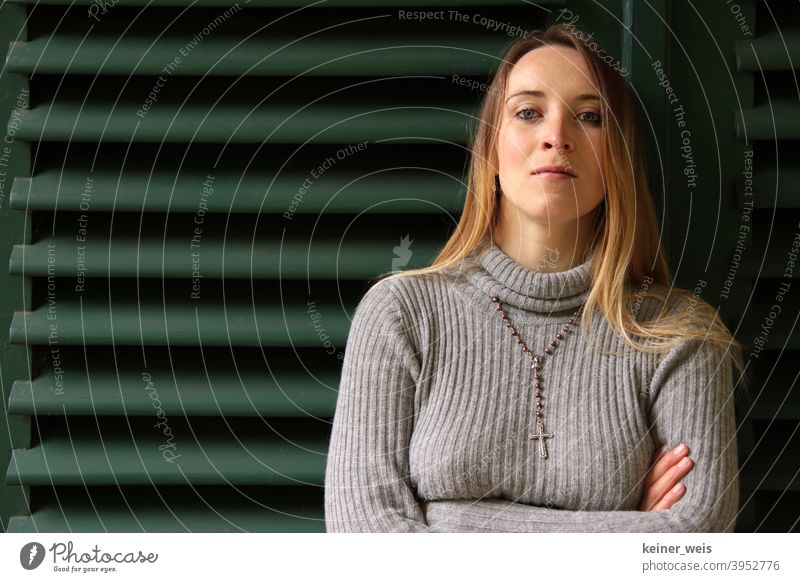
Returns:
(581,97)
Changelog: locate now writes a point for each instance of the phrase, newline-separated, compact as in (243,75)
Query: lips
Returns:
(554,169)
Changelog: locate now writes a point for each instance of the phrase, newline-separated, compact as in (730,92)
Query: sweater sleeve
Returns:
(367,485)
(690,401)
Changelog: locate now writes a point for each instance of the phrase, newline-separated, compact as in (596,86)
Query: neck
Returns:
(541,247)
(539,294)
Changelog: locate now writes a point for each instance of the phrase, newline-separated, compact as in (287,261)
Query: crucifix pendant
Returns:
(536,364)
(541,434)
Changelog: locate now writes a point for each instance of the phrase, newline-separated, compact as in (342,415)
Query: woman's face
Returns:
(550,116)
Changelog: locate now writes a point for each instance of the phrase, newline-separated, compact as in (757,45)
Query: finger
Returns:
(667,481)
(667,460)
(670,498)
(666,501)
(664,458)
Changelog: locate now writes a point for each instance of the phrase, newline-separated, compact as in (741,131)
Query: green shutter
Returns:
(740,96)
(769,123)
(345,100)
(15,293)
(256,110)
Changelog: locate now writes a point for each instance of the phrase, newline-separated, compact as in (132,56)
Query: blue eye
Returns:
(597,118)
(524,117)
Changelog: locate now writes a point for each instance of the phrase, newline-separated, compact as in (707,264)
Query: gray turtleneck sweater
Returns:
(436,404)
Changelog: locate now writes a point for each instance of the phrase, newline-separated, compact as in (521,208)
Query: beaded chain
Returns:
(537,363)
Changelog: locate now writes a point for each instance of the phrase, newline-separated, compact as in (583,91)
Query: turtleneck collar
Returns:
(542,293)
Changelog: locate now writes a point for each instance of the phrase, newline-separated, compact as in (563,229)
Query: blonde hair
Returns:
(625,250)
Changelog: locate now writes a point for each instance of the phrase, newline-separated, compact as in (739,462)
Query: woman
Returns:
(469,402)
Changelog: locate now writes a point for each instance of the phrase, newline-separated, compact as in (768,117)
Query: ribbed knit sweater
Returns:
(436,404)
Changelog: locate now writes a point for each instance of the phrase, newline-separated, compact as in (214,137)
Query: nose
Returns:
(555,134)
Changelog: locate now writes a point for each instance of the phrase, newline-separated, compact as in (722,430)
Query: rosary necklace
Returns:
(537,363)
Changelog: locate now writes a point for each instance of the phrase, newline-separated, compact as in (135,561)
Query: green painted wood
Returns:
(774,120)
(86,458)
(262,55)
(772,189)
(150,518)
(199,509)
(775,51)
(15,228)
(180,323)
(223,392)
(193,123)
(236,256)
(336,191)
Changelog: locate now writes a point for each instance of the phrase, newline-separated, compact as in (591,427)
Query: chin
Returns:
(558,205)
(545,207)
(552,219)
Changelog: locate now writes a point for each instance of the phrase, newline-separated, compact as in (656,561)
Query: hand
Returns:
(659,483)
(662,485)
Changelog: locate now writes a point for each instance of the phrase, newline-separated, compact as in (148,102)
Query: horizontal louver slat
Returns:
(173,509)
(248,182)
(79,461)
(776,51)
(177,323)
(173,451)
(775,120)
(232,257)
(122,392)
(273,56)
(230,124)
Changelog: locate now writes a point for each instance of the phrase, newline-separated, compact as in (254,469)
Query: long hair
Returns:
(628,262)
